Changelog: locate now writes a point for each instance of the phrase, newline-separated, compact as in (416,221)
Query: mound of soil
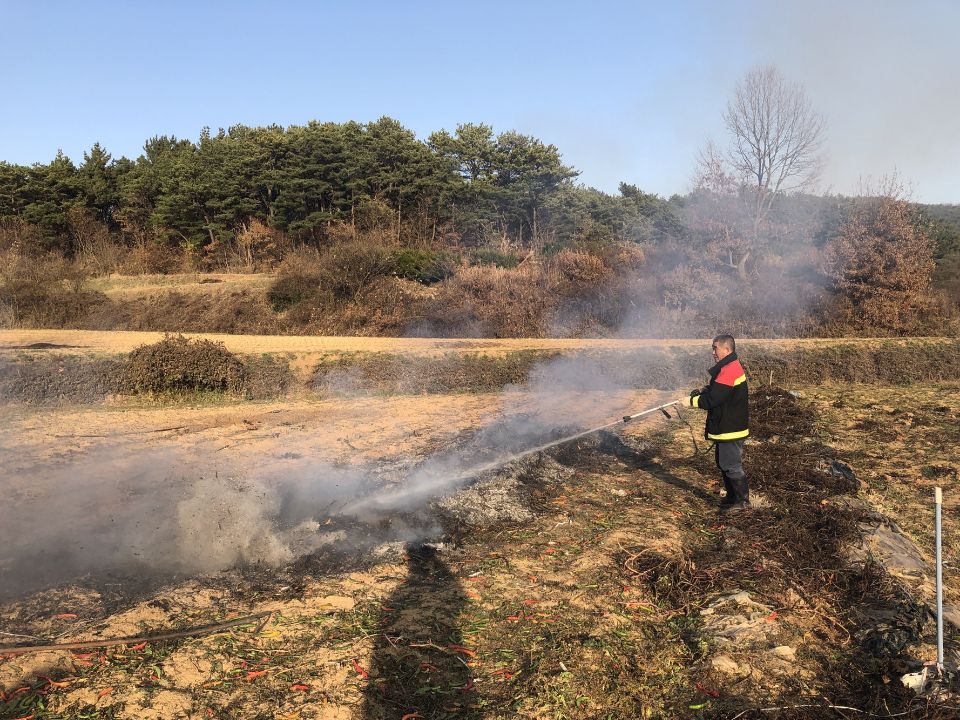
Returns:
(38,380)
(347,375)
(44,380)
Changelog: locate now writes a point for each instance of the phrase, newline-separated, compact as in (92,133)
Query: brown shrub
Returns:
(237,312)
(178,364)
(92,241)
(573,273)
(103,255)
(839,316)
(490,301)
(881,262)
(301,259)
(29,304)
(256,248)
(351,268)
(341,272)
(390,306)
(345,288)
(150,257)
(44,291)
(291,289)
(946,276)
(340,232)
(21,237)
(620,256)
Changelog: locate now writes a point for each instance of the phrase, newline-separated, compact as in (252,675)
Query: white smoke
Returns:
(125,511)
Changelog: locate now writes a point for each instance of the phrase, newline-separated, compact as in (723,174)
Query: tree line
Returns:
(468,187)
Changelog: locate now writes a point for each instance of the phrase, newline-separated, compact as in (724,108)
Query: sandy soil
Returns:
(131,465)
(117,342)
(114,342)
(345,430)
(554,613)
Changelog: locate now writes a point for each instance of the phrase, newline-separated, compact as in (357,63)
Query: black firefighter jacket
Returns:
(725,400)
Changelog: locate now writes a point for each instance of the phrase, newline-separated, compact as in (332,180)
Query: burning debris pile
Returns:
(501,495)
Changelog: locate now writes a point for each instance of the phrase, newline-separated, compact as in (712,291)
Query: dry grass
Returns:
(205,283)
(904,441)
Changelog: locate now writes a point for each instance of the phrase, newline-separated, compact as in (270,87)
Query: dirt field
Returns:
(622,593)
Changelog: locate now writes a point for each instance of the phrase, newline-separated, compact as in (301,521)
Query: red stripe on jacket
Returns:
(730,373)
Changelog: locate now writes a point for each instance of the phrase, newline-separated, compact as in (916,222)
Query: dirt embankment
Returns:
(75,367)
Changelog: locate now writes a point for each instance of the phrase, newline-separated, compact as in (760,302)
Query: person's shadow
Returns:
(419,663)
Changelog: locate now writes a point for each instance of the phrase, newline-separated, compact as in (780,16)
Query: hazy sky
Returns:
(627,91)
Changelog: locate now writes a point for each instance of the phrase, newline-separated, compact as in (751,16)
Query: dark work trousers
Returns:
(729,454)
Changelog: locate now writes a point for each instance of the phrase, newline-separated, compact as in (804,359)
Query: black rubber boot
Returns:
(741,491)
(730,498)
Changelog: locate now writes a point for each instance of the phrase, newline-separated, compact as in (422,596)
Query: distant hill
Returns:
(947,213)
(945,220)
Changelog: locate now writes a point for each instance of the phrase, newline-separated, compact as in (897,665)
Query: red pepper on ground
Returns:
(461,649)
(707,691)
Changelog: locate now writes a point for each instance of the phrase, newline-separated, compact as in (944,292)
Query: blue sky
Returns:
(627,91)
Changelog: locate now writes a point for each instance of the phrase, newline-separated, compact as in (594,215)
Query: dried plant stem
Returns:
(193,632)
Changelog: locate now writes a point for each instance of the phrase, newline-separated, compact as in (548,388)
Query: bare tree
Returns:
(718,211)
(775,137)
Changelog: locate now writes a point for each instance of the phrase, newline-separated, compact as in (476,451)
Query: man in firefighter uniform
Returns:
(725,399)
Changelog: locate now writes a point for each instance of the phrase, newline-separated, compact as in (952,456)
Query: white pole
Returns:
(938,499)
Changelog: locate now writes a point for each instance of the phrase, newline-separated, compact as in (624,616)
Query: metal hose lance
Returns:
(571,438)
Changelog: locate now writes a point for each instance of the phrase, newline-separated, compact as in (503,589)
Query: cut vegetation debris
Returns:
(618,591)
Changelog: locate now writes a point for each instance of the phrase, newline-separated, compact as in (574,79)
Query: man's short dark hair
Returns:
(727,341)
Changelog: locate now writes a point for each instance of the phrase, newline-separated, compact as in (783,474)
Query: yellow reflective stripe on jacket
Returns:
(728,436)
(741,379)
(695,401)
